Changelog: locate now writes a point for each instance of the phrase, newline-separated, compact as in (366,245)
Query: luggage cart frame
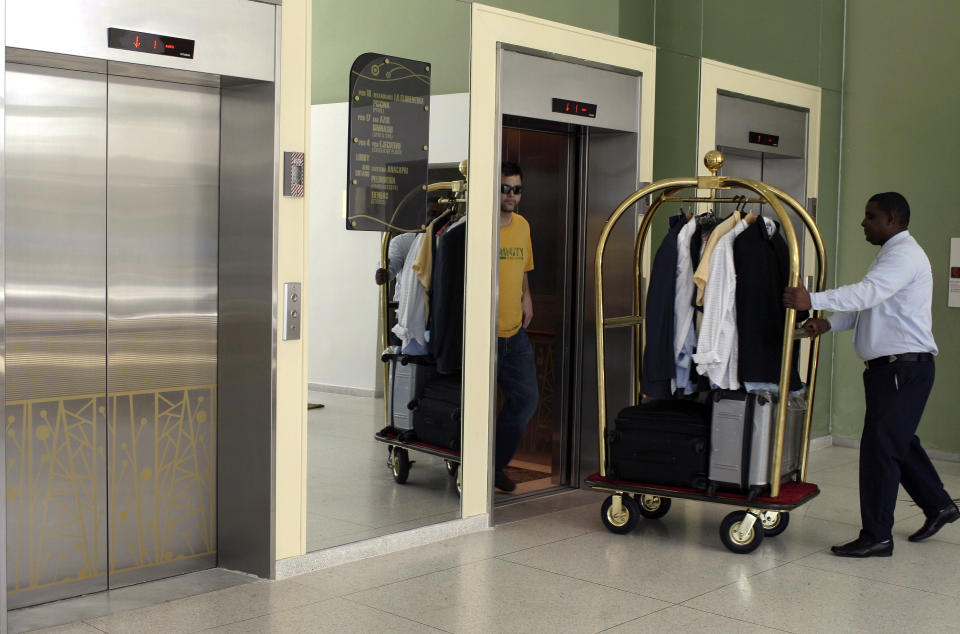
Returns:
(628,501)
(398,450)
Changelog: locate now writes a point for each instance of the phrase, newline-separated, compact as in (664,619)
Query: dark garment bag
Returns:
(436,414)
(661,442)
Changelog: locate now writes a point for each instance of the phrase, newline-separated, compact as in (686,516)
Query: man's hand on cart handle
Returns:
(816,327)
(796,297)
(381,276)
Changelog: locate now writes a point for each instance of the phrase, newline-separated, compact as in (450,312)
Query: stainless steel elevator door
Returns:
(55,250)
(163,157)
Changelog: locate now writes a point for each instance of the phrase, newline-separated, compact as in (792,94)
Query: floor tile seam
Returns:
(540,545)
(886,583)
(639,618)
(601,585)
(733,618)
(732,583)
(85,622)
(400,616)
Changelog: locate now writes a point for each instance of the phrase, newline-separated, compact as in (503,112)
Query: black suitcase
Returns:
(436,414)
(661,442)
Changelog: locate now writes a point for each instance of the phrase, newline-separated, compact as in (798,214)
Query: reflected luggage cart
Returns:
(398,446)
(766,515)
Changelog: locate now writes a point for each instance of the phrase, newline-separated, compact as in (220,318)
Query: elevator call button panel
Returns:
(149,43)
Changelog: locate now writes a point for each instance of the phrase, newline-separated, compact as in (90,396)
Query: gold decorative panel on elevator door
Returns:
(162,472)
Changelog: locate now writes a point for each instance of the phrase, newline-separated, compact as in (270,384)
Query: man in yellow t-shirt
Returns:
(516,369)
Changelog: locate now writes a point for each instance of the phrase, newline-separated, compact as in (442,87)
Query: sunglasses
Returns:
(506,189)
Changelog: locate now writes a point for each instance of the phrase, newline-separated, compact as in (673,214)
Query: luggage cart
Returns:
(743,530)
(398,447)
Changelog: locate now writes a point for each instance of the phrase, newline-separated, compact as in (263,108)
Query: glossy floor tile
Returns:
(351,493)
(551,566)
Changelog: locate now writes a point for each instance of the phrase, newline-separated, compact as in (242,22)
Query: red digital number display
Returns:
(576,108)
(150,43)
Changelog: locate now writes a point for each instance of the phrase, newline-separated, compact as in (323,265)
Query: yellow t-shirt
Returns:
(516,258)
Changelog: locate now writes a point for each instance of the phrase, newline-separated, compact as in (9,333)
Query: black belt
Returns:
(906,356)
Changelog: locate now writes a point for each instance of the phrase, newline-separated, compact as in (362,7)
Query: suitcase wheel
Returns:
(400,465)
(452,468)
(620,520)
(741,532)
(652,507)
(774,522)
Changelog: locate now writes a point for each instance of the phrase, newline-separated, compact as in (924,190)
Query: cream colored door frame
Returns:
(492,28)
(716,76)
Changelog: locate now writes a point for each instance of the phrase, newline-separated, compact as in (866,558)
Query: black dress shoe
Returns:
(864,547)
(930,527)
(503,482)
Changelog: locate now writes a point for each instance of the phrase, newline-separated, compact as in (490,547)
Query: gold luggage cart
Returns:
(767,515)
(398,447)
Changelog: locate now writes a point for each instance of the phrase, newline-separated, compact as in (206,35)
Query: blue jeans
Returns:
(517,379)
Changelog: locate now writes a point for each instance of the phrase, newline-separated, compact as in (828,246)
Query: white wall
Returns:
(343,300)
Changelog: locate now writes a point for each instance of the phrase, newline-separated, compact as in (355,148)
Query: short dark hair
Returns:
(509,168)
(895,204)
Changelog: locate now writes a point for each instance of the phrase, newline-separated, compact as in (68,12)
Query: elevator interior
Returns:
(123,335)
(575,171)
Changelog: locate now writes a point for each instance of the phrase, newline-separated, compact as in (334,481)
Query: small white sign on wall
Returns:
(953,297)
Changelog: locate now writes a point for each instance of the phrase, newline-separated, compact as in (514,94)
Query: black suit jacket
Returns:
(659,364)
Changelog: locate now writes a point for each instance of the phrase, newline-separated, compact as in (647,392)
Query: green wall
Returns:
(802,41)
(900,133)
(436,31)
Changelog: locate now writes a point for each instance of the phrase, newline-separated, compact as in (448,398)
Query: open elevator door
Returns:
(576,170)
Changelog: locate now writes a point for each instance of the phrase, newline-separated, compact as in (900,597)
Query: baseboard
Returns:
(821,442)
(935,454)
(343,389)
(311,562)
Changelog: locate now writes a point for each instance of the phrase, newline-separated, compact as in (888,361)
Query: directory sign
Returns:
(389,135)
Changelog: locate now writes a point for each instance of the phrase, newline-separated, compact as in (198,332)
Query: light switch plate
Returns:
(291,311)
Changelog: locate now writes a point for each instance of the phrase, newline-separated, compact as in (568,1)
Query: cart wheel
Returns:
(452,468)
(459,482)
(652,507)
(389,456)
(774,523)
(733,536)
(400,465)
(624,521)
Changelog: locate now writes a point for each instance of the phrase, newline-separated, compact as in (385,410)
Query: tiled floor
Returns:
(351,494)
(561,571)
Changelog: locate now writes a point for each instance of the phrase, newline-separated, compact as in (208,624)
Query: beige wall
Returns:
(291,388)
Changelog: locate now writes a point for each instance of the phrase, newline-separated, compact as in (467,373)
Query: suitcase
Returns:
(661,442)
(436,413)
(406,384)
(741,440)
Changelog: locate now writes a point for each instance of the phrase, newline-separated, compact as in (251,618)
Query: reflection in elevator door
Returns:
(111,251)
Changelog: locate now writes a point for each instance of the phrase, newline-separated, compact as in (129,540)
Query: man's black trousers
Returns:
(890,452)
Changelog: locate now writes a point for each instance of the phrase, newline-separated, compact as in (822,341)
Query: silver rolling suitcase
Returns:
(406,383)
(741,441)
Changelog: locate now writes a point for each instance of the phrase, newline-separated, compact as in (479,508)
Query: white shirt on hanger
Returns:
(889,310)
(717,356)
(684,337)
(412,311)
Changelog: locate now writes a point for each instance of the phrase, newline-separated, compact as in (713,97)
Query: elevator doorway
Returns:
(112,210)
(573,177)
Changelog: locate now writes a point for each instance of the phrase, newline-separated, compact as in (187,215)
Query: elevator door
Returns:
(111,252)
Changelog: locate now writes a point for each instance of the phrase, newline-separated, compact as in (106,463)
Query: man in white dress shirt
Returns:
(889,312)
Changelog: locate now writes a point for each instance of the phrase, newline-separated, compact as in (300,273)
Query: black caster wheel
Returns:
(652,507)
(625,520)
(774,523)
(400,465)
(452,468)
(735,538)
